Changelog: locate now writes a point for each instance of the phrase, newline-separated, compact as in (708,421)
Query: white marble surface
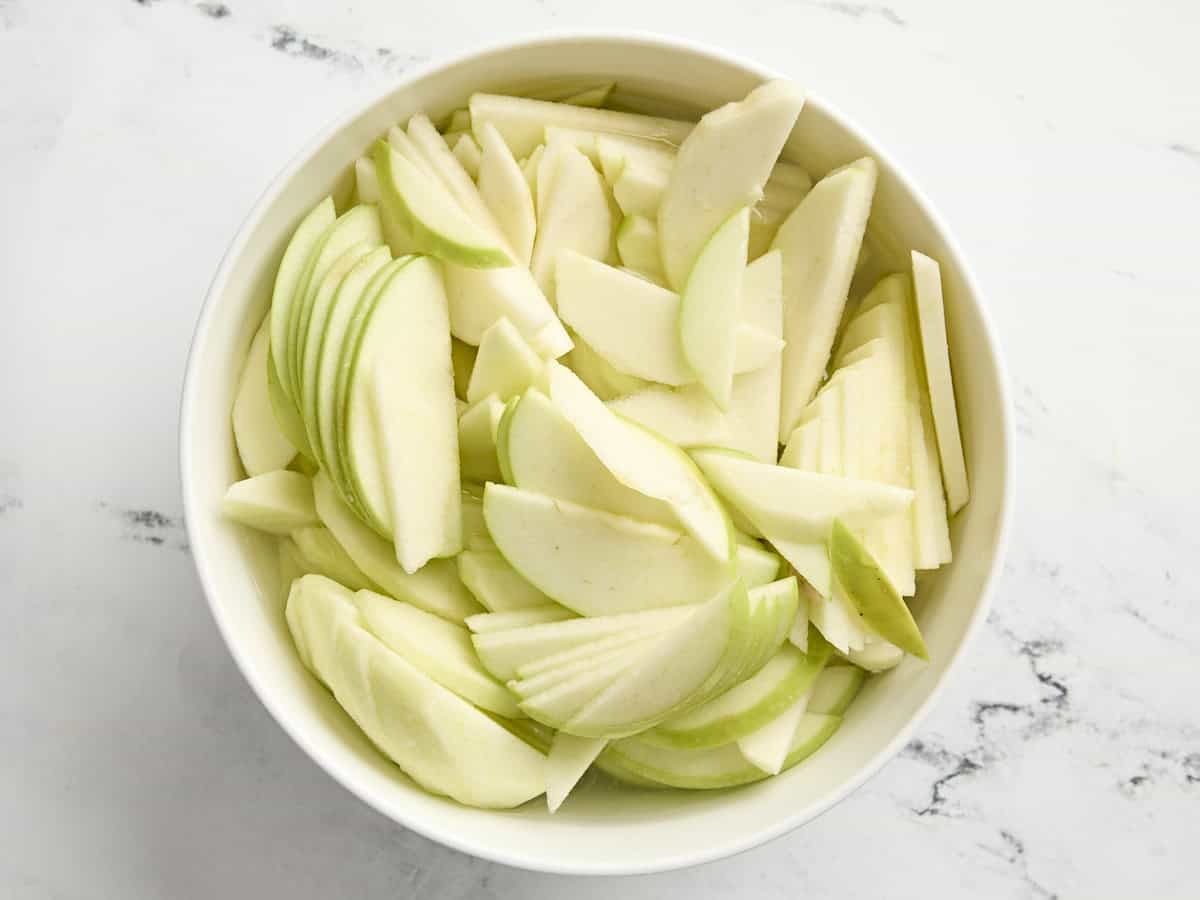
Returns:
(1062,141)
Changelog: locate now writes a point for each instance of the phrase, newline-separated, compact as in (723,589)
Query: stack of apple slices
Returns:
(515,417)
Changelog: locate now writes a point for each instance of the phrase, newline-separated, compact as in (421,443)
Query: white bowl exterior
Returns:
(596,832)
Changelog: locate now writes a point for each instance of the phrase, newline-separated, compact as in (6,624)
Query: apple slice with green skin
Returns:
(767,748)
(836,689)
(644,462)
(574,215)
(877,655)
(598,301)
(522,122)
(468,154)
(709,307)
(322,554)
(496,584)
(440,649)
(277,502)
(748,706)
(820,243)
(637,245)
(541,451)
(640,189)
(568,661)
(400,375)
(477,428)
(261,444)
(721,167)
(568,760)
(931,318)
(286,415)
(756,565)
(505,366)
(331,311)
(485,623)
(480,297)
(597,373)
(440,740)
(616,656)
(504,652)
(437,224)
(290,280)
(535,734)
(714,767)
(753,417)
(871,593)
(504,190)
(436,588)
(798,634)
(594,562)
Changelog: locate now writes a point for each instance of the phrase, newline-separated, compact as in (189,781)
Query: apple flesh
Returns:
(505,191)
(261,444)
(276,502)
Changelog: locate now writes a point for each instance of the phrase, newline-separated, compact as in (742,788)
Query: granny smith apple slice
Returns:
(598,302)
(440,649)
(504,190)
(573,215)
(285,413)
(767,748)
(331,311)
(721,167)
(438,225)
(756,565)
(576,658)
(358,225)
(522,122)
(477,428)
(594,562)
(496,584)
(503,652)
(484,623)
(440,740)
(931,317)
(772,608)
(568,760)
(745,708)
(877,655)
(598,374)
(261,444)
(468,154)
(637,245)
(542,452)
(709,307)
(640,188)
(685,416)
(322,554)
(820,242)
(871,593)
(291,276)
(836,689)
(671,674)
(564,698)
(278,502)
(401,375)
(611,659)
(535,734)
(798,633)
(753,417)
(505,366)
(480,297)
(436,588)
(643,462)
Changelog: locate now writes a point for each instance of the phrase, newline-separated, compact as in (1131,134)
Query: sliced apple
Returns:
(594,562)
(836,689)
(871,593)
(573,214)
(685,415)
(505,366)
(440,649)
(277,502)
(643,462)
(480,297)
(436,588)
(568,760)
(709,307)
(484,623)
(495,584)
(877,655)
(506,193)
(261,444)
(286,415)
(440,740)
(598,374)
(598,301)
(722,167)
(637,245)
(640,188)
(820,243)
(756,565)
(477,428)
(542,452)
(931,317)
(291,277)
(468,154)
(523,122)
(753,417)
(767,748)
(320,552)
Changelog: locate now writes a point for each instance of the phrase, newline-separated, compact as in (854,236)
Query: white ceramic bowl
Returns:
(602,831)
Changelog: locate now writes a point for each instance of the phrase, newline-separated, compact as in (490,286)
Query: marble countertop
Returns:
(1061,141)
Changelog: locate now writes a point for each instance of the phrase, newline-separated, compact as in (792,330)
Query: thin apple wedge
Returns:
(479,298)
(637,245)
(599,374)
(505,366)
(277,502)
(836,689)
(320,552)
(506,192)
(477,428)
(261,444)
(568,760)
(722,167)
(496,584)
(594,562)
(644,462)
(483,623)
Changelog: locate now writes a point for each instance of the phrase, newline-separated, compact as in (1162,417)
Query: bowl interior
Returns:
(601,829)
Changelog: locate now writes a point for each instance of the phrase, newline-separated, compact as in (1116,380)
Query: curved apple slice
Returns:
(506,192)
(836,689)
(262,444)
(278,502)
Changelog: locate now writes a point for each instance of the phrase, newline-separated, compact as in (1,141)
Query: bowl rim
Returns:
(203,563)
